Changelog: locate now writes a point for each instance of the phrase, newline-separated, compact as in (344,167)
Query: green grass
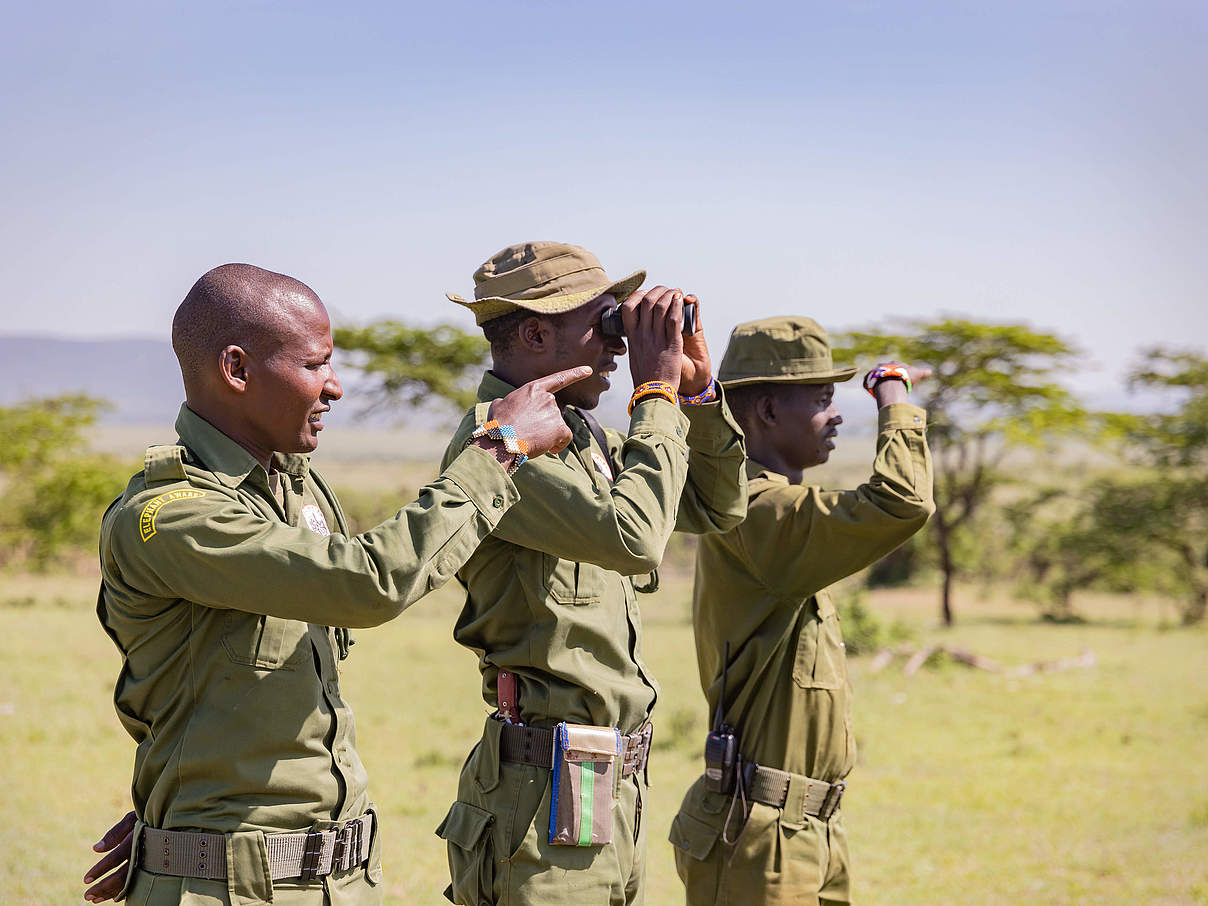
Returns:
(1089,786)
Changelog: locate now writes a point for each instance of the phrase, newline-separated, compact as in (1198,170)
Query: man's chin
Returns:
(820,459)
(580,397)
(307,443)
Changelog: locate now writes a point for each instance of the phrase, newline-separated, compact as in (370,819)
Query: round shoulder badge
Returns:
(313,517)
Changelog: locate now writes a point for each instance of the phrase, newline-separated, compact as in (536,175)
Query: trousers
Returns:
(344,888)
(772,859)
(498,844)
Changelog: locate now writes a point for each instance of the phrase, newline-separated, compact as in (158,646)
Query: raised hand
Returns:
(653,321)
(118,842)
(696,370)
(894,391)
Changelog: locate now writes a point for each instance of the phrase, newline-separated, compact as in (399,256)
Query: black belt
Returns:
(535,745)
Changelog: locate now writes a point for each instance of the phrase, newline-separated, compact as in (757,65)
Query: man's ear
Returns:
(765,409)
(232,363)
(535,334)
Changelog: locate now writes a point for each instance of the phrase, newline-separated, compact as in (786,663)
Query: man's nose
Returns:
(333,389)
(616,345)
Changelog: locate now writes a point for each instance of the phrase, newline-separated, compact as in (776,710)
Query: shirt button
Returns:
(917,419)
(679,430)
(497,503)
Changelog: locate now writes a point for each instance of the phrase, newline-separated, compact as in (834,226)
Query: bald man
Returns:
(229,583)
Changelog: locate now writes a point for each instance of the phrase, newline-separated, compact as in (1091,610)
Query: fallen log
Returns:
(917,657)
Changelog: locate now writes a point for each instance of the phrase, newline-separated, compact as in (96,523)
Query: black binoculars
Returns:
(612,326)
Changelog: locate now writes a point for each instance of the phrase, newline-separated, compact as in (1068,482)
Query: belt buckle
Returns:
(833,797)
(348,845)
(312,851)
(641,747)
(355,844)
(340,848)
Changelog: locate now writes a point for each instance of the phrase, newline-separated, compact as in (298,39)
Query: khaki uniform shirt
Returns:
(550,592)
(762,588)
(223,604)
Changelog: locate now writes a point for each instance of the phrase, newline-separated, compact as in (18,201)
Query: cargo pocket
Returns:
(820,660)
(263,642)
(693,836)
(471,861)
(568,582)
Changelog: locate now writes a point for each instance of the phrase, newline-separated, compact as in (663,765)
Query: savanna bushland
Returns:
(1048,745)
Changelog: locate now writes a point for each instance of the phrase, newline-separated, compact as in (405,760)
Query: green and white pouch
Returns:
(580,812)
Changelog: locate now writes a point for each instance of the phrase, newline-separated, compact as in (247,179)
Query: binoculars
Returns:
(612,326)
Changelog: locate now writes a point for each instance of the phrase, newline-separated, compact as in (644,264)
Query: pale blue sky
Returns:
(1045,162)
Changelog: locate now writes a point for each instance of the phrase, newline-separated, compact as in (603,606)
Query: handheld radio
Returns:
(721,745)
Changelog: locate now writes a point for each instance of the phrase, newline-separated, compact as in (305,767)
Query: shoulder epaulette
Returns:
(164,462)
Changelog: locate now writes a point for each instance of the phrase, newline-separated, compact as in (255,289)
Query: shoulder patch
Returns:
(602,465)
(146,519)
(164,462)
(313,517)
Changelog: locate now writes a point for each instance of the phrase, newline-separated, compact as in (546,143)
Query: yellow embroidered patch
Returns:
(146,519)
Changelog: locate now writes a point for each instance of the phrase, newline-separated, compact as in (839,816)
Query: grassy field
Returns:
(1088,786)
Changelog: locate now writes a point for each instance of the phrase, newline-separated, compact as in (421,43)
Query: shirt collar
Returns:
(493,387)
(756,469)
(224,457)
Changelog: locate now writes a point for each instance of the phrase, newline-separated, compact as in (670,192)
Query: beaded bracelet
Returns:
(881,372)
(652,388)
(506,433)
(708,395)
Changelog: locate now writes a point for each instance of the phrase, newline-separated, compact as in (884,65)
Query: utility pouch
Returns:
(580,812)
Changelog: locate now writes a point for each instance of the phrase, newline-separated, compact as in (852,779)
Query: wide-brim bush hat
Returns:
(544,277)
(789,350)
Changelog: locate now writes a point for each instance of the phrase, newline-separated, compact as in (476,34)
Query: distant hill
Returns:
(138,376)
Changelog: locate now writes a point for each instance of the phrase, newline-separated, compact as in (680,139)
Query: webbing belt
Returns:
(307,856)
(798,794)
(535,745)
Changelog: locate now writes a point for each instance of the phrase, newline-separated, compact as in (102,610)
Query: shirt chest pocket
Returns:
(821,656)
(264,642)
(568,582)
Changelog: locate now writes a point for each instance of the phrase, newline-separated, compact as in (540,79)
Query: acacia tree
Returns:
(994,389)
(411,366)
(1163,512)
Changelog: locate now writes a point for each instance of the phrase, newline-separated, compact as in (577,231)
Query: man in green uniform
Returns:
(552,607)
(776,835)
(229,583)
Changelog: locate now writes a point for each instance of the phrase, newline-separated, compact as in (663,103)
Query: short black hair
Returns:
(233,304)
(501,332)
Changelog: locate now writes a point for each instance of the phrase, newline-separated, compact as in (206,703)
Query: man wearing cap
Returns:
(229,582)
(551,608)
(765,827)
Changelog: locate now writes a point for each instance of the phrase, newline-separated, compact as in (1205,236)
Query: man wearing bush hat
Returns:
(763,824)
(550,801)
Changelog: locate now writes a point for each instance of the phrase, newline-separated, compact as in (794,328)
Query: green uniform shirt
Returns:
(550,593)
(762,588)
(222,603)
